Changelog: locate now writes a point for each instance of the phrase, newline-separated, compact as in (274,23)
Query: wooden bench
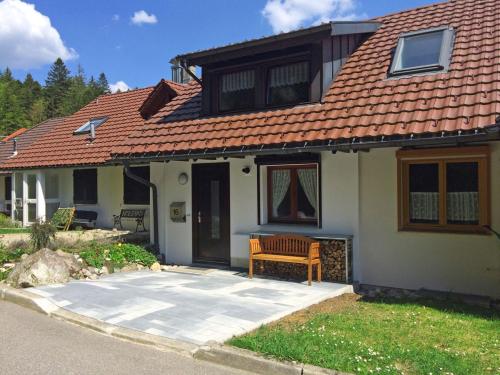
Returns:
(288,249)
(129,213)
(63,218)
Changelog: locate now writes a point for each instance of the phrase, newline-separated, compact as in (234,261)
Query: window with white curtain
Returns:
(444,191)
(237,90)
(288,84)
(293,193)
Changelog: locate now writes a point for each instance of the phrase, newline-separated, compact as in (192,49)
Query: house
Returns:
(10,145)
(379,135)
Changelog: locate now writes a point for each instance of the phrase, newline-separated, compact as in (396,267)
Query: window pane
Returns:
(31,186)
(215,209)
(462,196)
(424,193)
(133,191)
(288,84)
(421,50)
(85,186)
(280,193)
(307,193)
(8,188)
(237,90)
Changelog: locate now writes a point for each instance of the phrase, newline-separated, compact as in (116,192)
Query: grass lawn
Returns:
(385,337)
(14,230)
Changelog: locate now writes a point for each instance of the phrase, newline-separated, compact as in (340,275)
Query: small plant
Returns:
(117,254)
(7,222)
(41,233)
(11,255)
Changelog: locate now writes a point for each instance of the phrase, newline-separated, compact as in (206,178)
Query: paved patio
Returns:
(192,307)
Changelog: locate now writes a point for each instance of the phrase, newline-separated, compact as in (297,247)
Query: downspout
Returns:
(128,172)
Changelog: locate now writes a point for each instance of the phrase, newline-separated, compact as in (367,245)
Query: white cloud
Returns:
(116,17)
(119,86)
(142,16)
(286,15)
(27,37)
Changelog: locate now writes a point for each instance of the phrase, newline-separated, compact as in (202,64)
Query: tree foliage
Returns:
(27,103)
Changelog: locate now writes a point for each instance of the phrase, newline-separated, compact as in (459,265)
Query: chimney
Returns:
(92,131)
(14,147)
(179,74)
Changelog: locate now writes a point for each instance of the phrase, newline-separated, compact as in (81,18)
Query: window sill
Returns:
(453,229)
(294,224)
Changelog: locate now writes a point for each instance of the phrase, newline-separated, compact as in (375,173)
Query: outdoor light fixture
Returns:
(183,178)
(246,170)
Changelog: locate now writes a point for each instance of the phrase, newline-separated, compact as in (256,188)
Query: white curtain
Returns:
(463,206)
(309,182)
(280,185)
(424,206)
(288,75)
(238,81)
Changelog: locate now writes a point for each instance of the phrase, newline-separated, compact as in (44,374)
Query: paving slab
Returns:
(196,308)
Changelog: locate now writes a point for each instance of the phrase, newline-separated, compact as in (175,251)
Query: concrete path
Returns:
(32,343)
(195,308)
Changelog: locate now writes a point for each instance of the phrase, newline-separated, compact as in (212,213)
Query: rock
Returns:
(130,267)
(86,272)
(73,265)
(92,270)
(140,266)
(41,268)
(104,270)
(155,267)
(9,265)
(24,256)
(93,276)
(115,270)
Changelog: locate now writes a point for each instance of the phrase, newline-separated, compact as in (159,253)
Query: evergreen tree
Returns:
(102,84)
(56,87)
(31,91)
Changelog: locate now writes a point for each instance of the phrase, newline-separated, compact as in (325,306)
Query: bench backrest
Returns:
(286,244)
(86,215)
(132,213)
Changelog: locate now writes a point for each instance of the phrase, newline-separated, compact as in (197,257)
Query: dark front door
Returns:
(211,213)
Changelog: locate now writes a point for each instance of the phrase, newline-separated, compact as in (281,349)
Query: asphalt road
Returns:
(32,343)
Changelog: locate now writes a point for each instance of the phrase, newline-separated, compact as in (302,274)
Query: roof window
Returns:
(423,51)
(85,128)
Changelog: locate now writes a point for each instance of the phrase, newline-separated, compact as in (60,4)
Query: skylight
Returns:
(85,128)
(423,51)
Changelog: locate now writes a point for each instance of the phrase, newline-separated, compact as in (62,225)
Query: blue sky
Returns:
(100,35)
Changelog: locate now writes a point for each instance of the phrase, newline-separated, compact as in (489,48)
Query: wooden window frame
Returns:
(268,75)
(441,157)
(292,219)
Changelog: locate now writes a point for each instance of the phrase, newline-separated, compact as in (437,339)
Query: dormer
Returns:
(283,70)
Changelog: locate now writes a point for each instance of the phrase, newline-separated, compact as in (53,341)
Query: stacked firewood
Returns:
(333,261)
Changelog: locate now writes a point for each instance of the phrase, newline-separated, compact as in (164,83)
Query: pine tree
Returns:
(102,84)
(31,91)
(56,87)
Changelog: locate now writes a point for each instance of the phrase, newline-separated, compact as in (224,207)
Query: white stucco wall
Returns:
(461,263)
(2,193)
(109,195)
(340,203)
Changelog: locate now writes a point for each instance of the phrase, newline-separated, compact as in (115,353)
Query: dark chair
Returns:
(86,219)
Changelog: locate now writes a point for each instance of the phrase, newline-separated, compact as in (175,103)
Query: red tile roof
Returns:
(60,147)
(14,134)
(362,102)
(26,138)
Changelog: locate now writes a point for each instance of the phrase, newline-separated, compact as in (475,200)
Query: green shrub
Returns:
(10,255)
(7,222)
(41,233)
(117,254)
(4,274)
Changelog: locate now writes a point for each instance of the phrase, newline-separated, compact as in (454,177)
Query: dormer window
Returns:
(423,51)
(288,84)
(237,91)
(85,128)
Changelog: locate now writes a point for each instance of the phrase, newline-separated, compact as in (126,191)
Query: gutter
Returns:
(128,172)
(349,145)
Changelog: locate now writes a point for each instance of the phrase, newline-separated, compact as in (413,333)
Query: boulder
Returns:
(73,264)
(41,268)
(130,267)
(156,267)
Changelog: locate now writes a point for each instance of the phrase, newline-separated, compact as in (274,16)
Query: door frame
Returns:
(227,205)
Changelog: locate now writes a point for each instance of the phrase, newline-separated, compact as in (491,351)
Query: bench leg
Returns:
(250,269)
(319,272)
(309,273)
